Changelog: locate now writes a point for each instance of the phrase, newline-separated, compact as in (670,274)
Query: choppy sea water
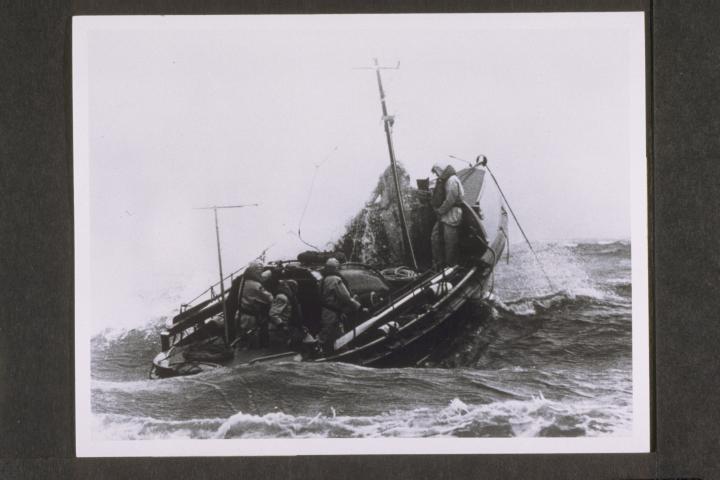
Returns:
(548,361)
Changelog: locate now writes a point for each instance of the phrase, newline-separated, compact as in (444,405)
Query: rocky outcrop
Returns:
(374,235)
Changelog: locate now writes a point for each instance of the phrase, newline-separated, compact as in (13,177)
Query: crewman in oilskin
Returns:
(254,303)
(336,303)
(286,317)
(446,200)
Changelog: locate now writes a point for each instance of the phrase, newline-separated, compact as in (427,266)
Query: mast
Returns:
(214,208)
(222,283)
(388,121)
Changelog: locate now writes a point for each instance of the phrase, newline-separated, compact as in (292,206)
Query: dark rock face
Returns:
(374,235)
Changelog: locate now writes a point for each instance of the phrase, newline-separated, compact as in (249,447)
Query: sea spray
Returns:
(373,236)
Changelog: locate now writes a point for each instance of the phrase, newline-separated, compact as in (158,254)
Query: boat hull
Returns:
(407,346)
(411,345)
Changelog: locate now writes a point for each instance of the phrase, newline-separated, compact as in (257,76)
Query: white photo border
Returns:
(637,442)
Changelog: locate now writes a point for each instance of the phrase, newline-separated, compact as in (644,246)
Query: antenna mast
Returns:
(214,208)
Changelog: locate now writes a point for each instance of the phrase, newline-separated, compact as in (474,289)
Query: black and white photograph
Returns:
(360,234)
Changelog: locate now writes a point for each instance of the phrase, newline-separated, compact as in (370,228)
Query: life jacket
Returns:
(323,300)
(290,292)
(246,304)
(453,216)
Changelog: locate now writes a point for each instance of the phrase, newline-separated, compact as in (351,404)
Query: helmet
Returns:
(332,263)
(254,271)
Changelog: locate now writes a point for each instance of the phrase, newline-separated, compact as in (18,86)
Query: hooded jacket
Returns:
(254,299)
(285,308)
(449,210)
(334,296)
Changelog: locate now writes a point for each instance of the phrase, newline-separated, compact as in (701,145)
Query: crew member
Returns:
(286,317)
(253,302)
(447,196)
(438,193)
(269,283)
(336,305)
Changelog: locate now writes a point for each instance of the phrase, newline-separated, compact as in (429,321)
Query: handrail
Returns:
(230,275)
(210,288)
(340,355)
(343,340)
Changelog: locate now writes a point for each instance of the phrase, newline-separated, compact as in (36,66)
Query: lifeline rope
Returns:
(519,226)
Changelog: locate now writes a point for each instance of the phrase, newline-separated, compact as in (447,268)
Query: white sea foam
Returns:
(126,427)
(524,287)
(536,416)
(618,281)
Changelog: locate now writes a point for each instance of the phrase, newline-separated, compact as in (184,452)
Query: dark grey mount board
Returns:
(36,253)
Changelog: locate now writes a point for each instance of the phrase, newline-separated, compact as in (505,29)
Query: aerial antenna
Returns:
(307,202)
(215,208)
(388,121)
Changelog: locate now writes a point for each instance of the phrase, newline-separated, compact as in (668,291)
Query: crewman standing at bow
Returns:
(446,200)
(254,302)
(336,302)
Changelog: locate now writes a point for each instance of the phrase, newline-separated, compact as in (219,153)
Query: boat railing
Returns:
(197,316)
(186,312)
(387,309)
(231,276)
(211,289)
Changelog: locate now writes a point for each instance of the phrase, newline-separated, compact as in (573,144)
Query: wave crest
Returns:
(580,298)
(533,417)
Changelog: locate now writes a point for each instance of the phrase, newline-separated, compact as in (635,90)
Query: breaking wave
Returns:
(123,354)
(563,300)
(610,247)
(534,417)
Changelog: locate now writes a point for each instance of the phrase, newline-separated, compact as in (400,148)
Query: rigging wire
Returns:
(482,161)
(307,202)
(517,222)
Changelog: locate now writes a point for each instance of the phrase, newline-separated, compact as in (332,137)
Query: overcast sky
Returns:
(195,111)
